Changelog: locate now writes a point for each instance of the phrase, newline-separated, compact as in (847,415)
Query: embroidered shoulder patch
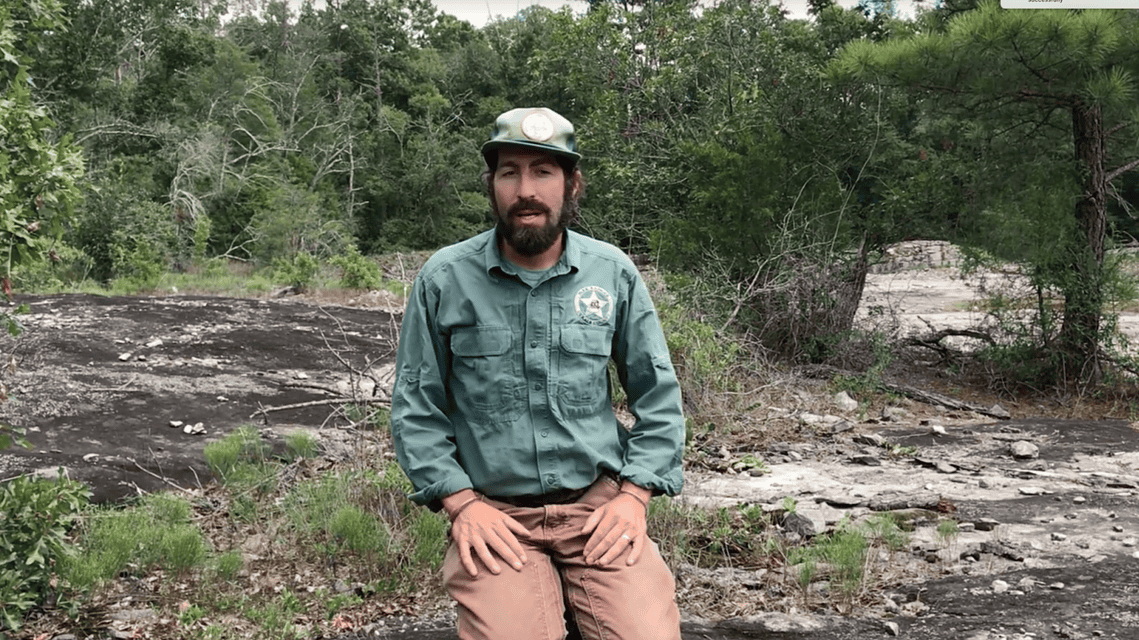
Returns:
(593,304)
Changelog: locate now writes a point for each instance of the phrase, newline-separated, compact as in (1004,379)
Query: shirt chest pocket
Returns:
(485,384)
(583,377)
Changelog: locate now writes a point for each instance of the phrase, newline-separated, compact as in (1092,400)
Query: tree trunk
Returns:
(1084,296)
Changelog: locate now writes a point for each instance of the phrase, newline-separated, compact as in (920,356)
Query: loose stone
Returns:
(844,402)
(986,524)
(1024,450)
(999,586)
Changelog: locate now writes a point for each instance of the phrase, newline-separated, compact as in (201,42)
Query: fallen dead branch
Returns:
(915,500)
(163,479)
(914,393)
(312,403)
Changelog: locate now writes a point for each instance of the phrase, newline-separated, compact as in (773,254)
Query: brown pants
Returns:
(613,602)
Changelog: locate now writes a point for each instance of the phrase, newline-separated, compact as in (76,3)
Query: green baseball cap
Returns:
(534,127)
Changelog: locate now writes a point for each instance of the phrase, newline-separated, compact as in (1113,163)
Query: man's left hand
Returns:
(617,524)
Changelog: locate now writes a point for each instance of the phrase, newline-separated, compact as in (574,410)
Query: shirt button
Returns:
(533,344)
(533,293)
(545,434)
(537,386)
(552,480)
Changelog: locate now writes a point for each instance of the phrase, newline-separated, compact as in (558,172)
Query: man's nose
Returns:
(527,186)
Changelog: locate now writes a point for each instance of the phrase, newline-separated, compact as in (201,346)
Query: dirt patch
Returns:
(100,380)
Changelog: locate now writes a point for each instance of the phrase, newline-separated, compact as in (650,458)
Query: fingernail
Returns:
(517,565)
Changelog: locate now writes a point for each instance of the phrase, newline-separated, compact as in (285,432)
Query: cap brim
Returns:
(495,145)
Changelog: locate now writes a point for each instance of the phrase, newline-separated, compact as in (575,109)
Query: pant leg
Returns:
(616,601)
(514,605)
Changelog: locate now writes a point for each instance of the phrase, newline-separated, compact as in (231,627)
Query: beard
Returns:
(526,240)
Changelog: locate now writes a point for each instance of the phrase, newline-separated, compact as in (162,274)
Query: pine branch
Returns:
(1118,171)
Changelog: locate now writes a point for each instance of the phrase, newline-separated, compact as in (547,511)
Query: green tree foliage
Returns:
(38,170)
(716,143)
(717,138)
(1061,87)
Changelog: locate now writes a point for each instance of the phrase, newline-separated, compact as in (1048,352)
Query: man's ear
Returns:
(577,185)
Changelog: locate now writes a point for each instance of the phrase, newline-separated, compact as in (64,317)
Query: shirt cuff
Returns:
(668,484)
(432,495)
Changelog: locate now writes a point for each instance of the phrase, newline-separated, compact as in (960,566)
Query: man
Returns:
(501,413)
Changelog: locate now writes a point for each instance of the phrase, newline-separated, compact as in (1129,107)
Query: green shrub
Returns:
(62,268)
(357,271)
(10,436)
(703,358)
(125,236)
(35,516)
(299,272)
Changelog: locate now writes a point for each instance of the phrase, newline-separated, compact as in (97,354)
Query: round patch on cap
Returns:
(538,127)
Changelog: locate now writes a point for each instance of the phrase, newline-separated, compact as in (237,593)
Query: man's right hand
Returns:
(481,527)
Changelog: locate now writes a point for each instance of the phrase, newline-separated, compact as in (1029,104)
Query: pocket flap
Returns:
(595,341)
(480,341)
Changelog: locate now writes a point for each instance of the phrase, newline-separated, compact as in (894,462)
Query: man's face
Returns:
(529,193)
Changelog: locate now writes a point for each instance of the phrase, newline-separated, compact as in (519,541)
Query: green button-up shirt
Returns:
(504,388)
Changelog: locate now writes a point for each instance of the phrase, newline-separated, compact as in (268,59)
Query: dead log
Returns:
(914,500)
(937,399)
(913,393)
(933,340)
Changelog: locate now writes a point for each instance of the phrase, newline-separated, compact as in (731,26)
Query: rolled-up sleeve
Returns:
(655,447)
(423,435)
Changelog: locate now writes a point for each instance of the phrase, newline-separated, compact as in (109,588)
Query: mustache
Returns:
(527,205)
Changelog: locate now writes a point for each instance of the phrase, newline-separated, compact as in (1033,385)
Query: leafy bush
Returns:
(64,267)
(124,236)
(357,271)
(299,272)
(35,515)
